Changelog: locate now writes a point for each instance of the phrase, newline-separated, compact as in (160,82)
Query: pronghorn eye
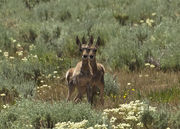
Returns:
(88,49)
(94,50)
(80,49)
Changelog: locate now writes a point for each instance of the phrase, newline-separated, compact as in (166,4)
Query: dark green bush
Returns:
(37,114)
(161,118)
(32,3)
(111,85)
(175,118)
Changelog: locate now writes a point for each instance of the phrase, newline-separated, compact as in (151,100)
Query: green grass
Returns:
(166,95)
(45,115)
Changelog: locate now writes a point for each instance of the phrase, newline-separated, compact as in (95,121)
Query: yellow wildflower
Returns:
(147,64)
(152,66)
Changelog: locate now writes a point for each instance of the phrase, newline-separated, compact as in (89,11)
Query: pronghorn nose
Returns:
(85,56)
(91,56)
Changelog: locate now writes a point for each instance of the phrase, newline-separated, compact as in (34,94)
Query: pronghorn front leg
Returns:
(71,87)
(89,91)
(70,91)
(81,91)
(102,90)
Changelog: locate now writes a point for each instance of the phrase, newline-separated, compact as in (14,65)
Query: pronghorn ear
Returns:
(91,40)
(98,41)
(83,40)
(78,41)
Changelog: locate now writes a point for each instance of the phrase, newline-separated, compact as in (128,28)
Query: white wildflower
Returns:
(55,72)
(124,125)
(140,124)
(11,57)
(24,59)
(131,118)
(129,84)
(153,14)
(35,56)
(90,128)
(3,94)
(71,125)
(44,86)
(103,126)
(31,47)
(140,75)
(20,53)
(141,21)
(113,119)
(18,45)
(146,75)
(6,54)
(149,21)
(5,106)
(13,40)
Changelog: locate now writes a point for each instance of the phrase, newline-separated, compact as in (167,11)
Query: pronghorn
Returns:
(80,76)
(98,70)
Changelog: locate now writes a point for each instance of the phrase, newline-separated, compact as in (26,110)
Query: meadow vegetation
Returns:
(140,50)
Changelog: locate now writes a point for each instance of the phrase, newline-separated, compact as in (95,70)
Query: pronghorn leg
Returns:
(78,98)
(94,93)
(81,91)
(89,91)
(70,91)
(102,95)
(71,88)
(102,91)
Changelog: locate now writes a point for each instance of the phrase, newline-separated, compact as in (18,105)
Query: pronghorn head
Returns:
(93,48)
(83,47)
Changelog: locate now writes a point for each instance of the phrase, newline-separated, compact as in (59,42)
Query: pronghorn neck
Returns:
(94,65)
(85,66)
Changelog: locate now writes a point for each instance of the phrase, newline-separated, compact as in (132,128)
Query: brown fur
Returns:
(98,71)
(80,76)
(92,73)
